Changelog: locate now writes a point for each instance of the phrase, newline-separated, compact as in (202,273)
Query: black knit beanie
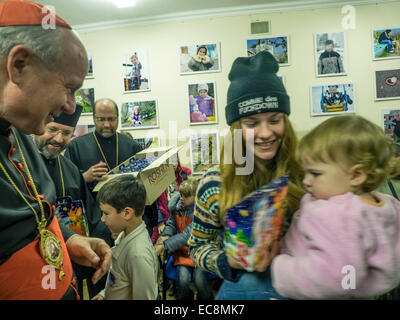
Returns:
(255,88)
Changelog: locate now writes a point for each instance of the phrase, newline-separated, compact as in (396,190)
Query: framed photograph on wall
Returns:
(387,84)
(202,103)
(391,119)
(204,151)
(139,115)
(391,126)
(135,71)
(199,58)
(386,43)
(277,46)
(85,97)
(332,99)
(149,142)
(330,54)
(90,73)
(82,129)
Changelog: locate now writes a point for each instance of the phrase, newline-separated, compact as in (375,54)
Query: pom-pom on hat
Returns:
(69,119)
(255,88)
(23,13)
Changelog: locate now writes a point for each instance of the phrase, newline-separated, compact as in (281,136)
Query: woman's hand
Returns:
(234,263)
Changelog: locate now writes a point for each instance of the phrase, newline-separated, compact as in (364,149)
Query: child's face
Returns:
(203,93)
(112,219)
(202,52)
(134,60)
(325,180)
(268,129)
(329,47)
(186,201)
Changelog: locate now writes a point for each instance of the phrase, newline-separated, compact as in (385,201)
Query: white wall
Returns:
(170,89)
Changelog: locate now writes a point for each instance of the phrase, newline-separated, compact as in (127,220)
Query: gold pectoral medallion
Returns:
(51,250)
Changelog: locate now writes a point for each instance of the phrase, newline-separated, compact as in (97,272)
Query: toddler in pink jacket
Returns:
(344,241)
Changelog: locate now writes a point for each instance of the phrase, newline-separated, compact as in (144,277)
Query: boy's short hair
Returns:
(188,187)
(124,191)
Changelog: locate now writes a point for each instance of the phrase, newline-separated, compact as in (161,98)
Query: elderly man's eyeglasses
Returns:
(101,119)
(54,131)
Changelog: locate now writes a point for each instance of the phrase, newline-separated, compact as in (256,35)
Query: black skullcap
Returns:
(69,119)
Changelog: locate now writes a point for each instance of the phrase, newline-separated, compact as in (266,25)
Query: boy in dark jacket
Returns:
(174,240)
(330,61)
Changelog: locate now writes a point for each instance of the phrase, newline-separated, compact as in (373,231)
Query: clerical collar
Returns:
(100,137)
(4,127)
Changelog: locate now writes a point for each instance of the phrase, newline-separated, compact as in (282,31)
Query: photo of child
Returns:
(199,58)
(386,43)
(139,115)
(135,71)
(136,117)
(330,54)
(332,99)
(391,127)
(202,104)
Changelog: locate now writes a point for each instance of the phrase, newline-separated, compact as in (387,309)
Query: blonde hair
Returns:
(188,187)
(349,140)
(235,187)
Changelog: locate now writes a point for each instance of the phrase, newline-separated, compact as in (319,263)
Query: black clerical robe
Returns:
(18,226)
(75,187)
(84,151)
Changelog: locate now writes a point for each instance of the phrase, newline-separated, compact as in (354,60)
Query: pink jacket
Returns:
(327,235)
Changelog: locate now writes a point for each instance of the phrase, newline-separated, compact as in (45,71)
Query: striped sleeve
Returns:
(206,226)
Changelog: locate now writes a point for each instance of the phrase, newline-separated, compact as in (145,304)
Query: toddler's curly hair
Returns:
(348,140)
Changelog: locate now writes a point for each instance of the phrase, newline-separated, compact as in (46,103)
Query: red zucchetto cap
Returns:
(23,13)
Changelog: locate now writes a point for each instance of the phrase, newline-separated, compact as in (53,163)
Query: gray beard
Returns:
(46,153)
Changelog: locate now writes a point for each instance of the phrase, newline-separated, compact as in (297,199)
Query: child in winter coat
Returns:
(330,61)
(174,240)
(204,101)
(200,61)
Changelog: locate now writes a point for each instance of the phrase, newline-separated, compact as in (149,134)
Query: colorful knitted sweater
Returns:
(205,246)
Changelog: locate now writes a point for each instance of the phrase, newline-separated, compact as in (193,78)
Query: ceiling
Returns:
(78,12)
(86,12)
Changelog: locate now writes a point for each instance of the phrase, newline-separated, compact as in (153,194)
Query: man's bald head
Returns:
(105,102)
(105,117)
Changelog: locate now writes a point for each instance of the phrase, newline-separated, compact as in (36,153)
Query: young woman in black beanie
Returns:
(257,101)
